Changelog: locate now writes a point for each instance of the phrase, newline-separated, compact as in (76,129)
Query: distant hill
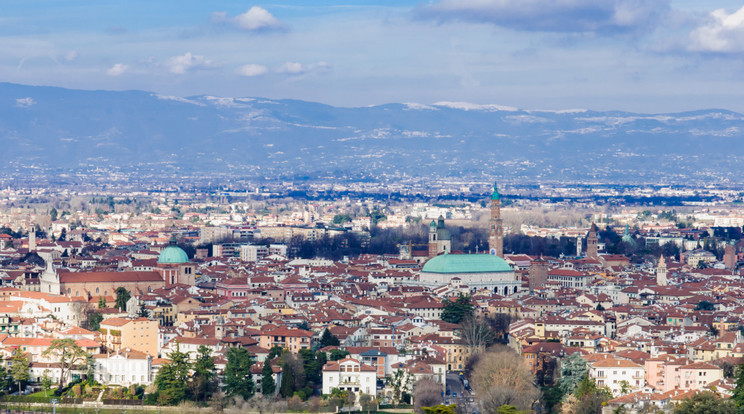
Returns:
(47,126)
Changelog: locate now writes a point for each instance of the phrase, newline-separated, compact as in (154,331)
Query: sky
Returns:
(634,55)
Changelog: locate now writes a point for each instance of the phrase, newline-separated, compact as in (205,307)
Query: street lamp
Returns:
(54,405)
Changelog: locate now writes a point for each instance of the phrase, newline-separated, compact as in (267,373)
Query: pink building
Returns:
(666,372)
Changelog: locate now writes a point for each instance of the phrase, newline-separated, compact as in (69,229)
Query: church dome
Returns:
(173,255)
(466,263)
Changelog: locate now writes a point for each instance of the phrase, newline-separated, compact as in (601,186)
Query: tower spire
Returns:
(496,230)
(661,272)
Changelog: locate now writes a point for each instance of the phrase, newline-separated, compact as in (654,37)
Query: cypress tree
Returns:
(287,387)
(268,386)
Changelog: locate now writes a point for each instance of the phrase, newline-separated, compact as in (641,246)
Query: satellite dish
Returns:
(493,252)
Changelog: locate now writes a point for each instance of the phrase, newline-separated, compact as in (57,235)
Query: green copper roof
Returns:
(495,195)
(627,237)
(173,255)
(466,263)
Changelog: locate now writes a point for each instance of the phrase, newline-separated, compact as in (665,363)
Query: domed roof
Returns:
(173,255)
(466,263)
(495,195)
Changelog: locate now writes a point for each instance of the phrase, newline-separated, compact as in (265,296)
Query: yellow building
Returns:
(290,338)
(140,334)
(457,352)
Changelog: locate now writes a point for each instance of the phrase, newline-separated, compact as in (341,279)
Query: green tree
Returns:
(173,377)
(337,354)
(509,409)
(19,367)
(313,362)
(590,398)
(6,381)
(400,383)
(238,379)
(101,302)
(573,370)
(274,352)
(341,218)
(293,375)
(377,216)
(53,214)
(585,387)
(68,354)
(304,326)
(455,312)
(706,403)
(367,402)
(268,386)
(704,305)
(439,409)
(738,394)
(122,297)
(204,377)
(46,382)
(328,339)
(94,321)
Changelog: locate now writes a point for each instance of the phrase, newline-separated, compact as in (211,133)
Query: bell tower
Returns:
(592,243)
(496,230)
(661,272)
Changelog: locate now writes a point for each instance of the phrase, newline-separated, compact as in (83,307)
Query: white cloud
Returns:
(189,62)
(25,102)
(296,68)
(293,68)
(117,70)
(255,19)
(71,55)
(552,15)
(724,33)
(251,70)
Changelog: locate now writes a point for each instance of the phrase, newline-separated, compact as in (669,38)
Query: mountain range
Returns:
(64,129)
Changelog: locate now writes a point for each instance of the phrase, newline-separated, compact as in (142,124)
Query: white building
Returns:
(477,271)
(617,374)
(124,368)
(349,375)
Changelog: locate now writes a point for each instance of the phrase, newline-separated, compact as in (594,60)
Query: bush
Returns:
(151,399)
(295,403)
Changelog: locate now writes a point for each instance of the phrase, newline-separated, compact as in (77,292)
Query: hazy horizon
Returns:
(657,57)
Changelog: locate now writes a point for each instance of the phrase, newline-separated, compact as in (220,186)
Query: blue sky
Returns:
(635,55)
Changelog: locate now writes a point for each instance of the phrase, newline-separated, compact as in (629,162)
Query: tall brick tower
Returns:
(538,273)
(592,247)
(729,257)
(496,233)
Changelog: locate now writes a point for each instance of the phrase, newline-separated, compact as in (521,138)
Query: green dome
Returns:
(495,195)
(173,255)
(466,263)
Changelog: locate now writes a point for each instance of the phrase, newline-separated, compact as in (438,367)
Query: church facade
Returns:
(173,267)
